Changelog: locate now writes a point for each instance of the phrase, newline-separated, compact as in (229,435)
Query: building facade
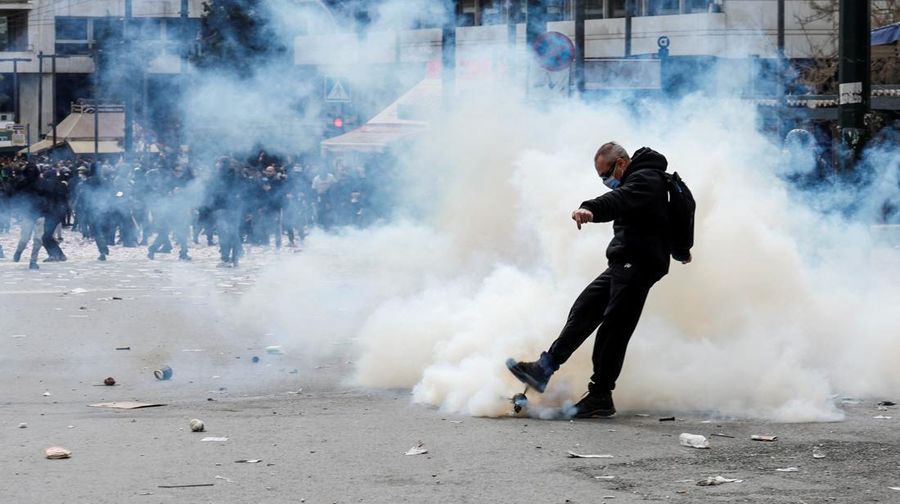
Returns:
(80,33)
(727,29)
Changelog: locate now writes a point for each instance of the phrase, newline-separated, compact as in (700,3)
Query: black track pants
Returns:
(613,301)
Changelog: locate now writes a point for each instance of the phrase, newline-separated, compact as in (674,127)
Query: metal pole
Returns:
(40,91)
(780,29)
(16,90)
(129,91)
(513,7)
(28,142)
(536,21)
(96,129)
(448,54)
(579,45)
(854,77)
(184,63)
(53,107)
(96,101)
(629,12)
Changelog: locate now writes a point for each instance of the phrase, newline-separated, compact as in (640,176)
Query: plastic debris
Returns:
(693,440)
(883,417)
(197,425)
(882,403)
(274,350)
(418,449)
(667,419)
(224,478)
(756,437)
(606,477)
(46,394)
(109,381)
(192,485)
(57,452)
(23,425)
(78,290)
(248,461)
(642,415)
(817,453)
(163,373)
(255,359)
(717,480)
(719,434)
(583,455)
(214,439)
(788,469)
(125,405)
(895,488)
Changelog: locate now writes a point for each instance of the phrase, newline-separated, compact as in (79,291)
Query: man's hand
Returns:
(688,259)
(582,216)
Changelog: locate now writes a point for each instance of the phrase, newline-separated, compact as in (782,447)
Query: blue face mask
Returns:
(611,181)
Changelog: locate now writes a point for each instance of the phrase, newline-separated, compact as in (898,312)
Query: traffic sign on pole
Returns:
(336,91)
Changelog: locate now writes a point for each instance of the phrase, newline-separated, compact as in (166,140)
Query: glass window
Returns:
(71,28)
(617,8)
(107,29)
(662,7)
(593,9)
(149,29)
(554,10)
(17,31)
(698,5)
(4,34)
(72,48)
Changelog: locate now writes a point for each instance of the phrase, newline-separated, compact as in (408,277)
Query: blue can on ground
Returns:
(163,373)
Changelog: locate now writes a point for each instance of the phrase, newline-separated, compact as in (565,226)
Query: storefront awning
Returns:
(87,146)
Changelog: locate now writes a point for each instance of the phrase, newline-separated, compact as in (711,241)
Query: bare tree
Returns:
(820,74)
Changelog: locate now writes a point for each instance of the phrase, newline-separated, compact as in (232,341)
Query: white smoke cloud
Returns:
(782,308)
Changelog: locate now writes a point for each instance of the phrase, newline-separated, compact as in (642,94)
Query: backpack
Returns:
(681,209)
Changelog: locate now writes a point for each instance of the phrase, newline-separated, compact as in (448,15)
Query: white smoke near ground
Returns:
(781,310)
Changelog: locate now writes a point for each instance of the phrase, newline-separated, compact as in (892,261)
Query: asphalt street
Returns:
(317,440)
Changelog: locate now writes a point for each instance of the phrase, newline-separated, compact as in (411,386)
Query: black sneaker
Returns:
(529,373)
(184,257)
(17,255)
(33,265)
(595,404)
(102,257)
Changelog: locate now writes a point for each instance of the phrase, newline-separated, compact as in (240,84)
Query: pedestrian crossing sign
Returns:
(335,90)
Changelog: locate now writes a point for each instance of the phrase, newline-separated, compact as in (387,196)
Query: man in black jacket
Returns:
(638,257)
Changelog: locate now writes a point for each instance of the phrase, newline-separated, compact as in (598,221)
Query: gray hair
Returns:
(612,151)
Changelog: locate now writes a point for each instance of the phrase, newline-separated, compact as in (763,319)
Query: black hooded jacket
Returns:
(639,211)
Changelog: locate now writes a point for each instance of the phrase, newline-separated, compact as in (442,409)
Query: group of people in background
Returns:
(162,202)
